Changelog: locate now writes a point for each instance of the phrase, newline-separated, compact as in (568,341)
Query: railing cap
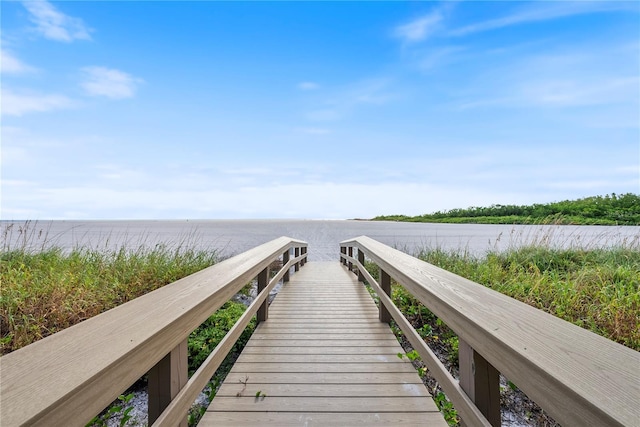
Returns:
(78,371)
(579,377)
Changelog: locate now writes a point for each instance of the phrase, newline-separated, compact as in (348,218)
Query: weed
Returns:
(45,292)
(244,385)
(121,408)
(446,408)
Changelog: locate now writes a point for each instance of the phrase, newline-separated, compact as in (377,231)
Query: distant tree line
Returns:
(613,209)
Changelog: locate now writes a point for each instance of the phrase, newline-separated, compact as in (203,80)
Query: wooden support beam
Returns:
(304,252)
(285,260)
(166,379)
(263,280)
(351,255)
(361,261)
(343,250)
(480,381)
(296,253)
(385,284)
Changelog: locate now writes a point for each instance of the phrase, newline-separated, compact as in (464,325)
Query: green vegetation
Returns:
(45,292)
(598,210)
(122,409)
(204,340)
(48,290)
(597,289)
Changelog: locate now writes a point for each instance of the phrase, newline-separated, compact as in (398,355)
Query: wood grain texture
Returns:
(322,358)
(327,390)
(309,419)
(80,370)
(580,378)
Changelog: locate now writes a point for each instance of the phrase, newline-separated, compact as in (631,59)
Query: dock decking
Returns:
(322,358)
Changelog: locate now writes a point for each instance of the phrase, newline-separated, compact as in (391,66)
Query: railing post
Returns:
(285,260)
(263,280)
(361,261)
(343,250)
(296,253)
(385,284)
(350,254)
(166,379)
(481,381)
(304,252)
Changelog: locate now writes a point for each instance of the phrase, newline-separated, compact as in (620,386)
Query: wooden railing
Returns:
(578,377)
(69,377)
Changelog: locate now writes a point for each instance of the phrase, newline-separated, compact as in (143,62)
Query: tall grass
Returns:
(45,290)
(597,289)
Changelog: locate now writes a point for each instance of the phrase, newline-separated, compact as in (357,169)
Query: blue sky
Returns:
(161,110)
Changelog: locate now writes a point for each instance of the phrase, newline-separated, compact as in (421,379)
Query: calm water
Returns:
(234,236)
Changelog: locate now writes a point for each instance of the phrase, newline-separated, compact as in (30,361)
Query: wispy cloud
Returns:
(344,101)
(438,57)
(421,28)
(565,79)
(14,104)
(308,86)
(543,11)
(12,65)
(55,25)
(114,84)
(562,93)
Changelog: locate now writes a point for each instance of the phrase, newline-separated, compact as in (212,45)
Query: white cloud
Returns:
(114,84)
(420,28)
(14,104)
(544,11)
(55,25)
(308,86)
(12,65)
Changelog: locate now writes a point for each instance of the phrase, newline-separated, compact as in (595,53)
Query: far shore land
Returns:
(611,209)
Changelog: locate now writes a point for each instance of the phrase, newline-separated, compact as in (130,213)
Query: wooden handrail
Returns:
(69,377)
(578,377)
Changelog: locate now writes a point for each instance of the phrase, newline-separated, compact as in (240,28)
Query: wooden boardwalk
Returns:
(322,358)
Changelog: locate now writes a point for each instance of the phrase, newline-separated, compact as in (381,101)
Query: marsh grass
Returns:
(46,289)
(597,289)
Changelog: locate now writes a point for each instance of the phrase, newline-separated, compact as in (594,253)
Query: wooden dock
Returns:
(322,358)
(320,355)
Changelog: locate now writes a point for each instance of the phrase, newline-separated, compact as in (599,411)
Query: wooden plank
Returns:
(335,330)
(373,337)
(323,390)
(325,378)
(165,380)
(325,312)
(286,419)
(299,323)
(481,382)
(388,350)
(335,316)
(324,404)
(321,358)
(324,343)
(296,324)
(323,367)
